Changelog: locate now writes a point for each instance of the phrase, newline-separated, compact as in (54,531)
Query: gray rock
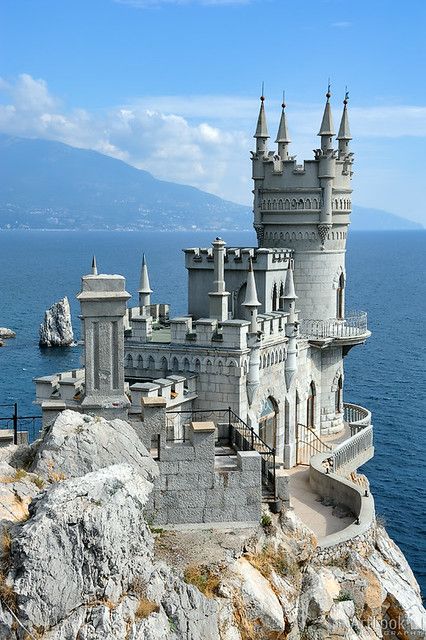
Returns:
(77,444)
(56,329)
(7,333)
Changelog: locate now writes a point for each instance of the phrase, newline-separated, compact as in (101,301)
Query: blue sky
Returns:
(172,86)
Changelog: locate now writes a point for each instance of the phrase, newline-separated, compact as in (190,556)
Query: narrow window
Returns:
(310,406)
(340,297)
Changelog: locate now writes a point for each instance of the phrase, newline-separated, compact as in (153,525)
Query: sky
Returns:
(173,86)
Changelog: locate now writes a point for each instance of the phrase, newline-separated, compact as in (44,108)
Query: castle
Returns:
(250,383)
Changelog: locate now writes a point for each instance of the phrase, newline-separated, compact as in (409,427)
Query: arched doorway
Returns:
(340,311)
(268,422)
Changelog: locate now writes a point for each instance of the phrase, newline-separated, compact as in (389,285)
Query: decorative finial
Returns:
(283,103)
(94,266)
(345,101)
(262,97)
(328,94)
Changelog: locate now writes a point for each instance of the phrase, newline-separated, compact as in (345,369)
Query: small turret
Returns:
(261,134)
(94,266)
(251,301)
(327,128)
(344,135)
(283,138)
(289,302)
(144,290)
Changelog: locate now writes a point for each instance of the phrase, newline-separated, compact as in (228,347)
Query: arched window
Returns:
(186,365)
(129,361)
(140,362)
(297,411)
(274,298)
(310,406)
(268,422)
(164,365)
(338,396)
(340,298)
(175,365)
(197,365)
(151,363)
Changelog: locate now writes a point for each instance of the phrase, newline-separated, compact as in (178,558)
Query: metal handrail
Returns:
(355,324)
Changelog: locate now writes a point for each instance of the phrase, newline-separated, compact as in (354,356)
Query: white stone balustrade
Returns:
(354,451)
(352,326)
(357,417)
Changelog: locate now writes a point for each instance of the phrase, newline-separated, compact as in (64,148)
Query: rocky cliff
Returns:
(79,560)
(56,329)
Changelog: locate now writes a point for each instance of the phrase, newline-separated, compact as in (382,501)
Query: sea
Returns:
(385,276)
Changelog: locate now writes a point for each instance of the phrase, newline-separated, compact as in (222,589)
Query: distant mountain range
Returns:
(50,185)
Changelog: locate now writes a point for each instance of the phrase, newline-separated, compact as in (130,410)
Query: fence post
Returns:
(15,423)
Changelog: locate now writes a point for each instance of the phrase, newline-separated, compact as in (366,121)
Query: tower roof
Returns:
(144,280)
(283,135)
(262,128)
(327,127)
(344,130)
(251,299)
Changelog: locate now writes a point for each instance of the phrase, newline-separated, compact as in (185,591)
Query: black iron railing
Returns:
(23,428)
(232,431)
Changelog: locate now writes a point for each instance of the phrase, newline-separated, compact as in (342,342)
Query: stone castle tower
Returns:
(306,207)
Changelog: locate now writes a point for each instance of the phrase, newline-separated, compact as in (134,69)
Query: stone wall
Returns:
(190,489)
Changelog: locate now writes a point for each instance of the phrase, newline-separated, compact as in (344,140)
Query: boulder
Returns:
(83,566)
(7,333)
(56,329)
(77,444)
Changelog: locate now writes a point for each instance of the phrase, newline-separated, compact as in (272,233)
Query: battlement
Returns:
(237,258)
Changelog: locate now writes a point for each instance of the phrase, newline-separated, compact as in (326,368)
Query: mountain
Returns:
(45,184)
(366,219)
(50,185)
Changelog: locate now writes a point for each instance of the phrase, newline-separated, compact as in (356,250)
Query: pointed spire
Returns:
(251,299)
(289,290)
(94,266)
(344,130)
(327,127)
(262,128)
(144,286)
(283,135)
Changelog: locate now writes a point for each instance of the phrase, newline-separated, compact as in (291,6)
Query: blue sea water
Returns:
(386,277)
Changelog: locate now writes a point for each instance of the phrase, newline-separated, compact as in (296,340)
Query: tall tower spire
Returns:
(327,128)
(144,287)
(344,135)
(261,134)
(283,138)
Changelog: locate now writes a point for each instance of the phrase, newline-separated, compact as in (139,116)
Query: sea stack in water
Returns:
(6,333)
(56,330)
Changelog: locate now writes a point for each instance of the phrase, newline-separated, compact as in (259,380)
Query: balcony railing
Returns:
(357,417)
(347,454)
(352,326)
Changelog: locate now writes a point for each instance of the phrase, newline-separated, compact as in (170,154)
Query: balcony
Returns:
(349,331)
(356,417)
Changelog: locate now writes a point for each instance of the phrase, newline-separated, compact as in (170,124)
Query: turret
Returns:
(144,290)
(103,301)
(218,307)
(292,332)
(261,134)
(283,138)
(251,301)
(326,131)
(327,168)
(344,135)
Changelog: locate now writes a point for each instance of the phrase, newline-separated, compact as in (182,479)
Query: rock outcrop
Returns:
(79,560)
(77,444)
(7,333)
(56,329)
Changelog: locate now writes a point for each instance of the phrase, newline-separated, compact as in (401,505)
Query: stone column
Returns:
(218,306)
